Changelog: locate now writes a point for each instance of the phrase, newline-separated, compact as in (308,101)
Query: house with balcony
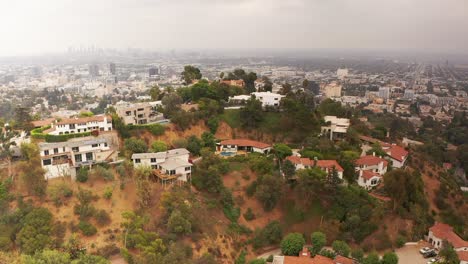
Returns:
(139,113)
(168,166)
(74,125)
(65,158)
(335,128)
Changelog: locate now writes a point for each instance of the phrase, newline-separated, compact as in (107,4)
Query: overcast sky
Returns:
(37,26)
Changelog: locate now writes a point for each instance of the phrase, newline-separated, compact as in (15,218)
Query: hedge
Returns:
(38,134)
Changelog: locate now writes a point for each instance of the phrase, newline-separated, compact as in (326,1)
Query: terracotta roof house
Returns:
(440,232)
(326,165)
(370,169)
(232,147)
(398,155)
(305,258)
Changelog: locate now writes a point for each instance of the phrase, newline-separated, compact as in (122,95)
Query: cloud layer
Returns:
(31,26)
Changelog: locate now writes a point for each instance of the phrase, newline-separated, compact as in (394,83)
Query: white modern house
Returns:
(171,164)
(335,127)
(268,99)
(64,158)
(80,124)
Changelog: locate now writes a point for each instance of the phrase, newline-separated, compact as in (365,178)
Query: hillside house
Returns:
(396,154)
(335,128)
(370,169)
(327,166)
(65,158)
(305,258)
(268,99)
(80,125)
(233,147)
(440,232)
(139,113)
(168,165)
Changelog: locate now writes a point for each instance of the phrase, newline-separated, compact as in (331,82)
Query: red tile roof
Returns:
(462,255)
(397,152)
(367,174)
(42,123)
(343,260)
(245,143)
(445,232)
(322,260)
(370,160)
(329,164)
(323,164)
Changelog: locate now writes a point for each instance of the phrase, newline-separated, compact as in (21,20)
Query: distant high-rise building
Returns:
(384,93)
(112,68)
(94,70)
(342,73)
(153,71)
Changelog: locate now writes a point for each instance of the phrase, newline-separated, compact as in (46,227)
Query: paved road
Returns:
(410,254)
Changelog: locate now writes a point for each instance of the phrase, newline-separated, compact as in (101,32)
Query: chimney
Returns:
(315,161)
(373,154)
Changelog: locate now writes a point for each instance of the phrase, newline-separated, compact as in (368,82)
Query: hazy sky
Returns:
(36,26)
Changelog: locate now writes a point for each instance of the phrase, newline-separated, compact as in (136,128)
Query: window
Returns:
(55,150)
(94,145)
(187,168)
(137,161)
(105,144)
(46,162)
(153,160)
(76,149)
(89,156)
(172,172)
(46,152)
(78,158)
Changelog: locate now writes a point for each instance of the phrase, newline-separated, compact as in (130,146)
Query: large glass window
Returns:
(89,156)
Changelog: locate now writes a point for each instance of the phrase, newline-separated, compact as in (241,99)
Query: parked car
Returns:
(431,253)
(432,260)
(424,250)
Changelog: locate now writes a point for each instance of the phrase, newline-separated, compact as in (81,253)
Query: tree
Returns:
(191,73)
(258,261)
(282,150)
(372,258)
(390,258)
(144,186)
(47,257)
(23,118)
(341,248)
(357,254)
(178,224)
(269,190)
(132,224)
(318,241)
(171,103)
(310,183)
(286,89)
(251,114)
(194,145)
(135,145)
(406,189)
(271,234)
(36,231)
(288,169)
(292,244)
(209,140)
(154,93)
(448,254)
(6,153)
(158,146)
(31,171)
(267,84)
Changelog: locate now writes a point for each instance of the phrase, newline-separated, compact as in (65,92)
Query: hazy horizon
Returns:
(31,27)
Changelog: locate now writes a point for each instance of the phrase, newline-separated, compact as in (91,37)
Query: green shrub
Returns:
(82,175)
(249,215)
(108,192)
(87,229)
(400,241)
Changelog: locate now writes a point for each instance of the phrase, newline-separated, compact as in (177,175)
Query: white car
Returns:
(424,250)
(431,261)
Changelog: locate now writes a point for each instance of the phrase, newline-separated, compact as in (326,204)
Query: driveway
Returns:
(410,254)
